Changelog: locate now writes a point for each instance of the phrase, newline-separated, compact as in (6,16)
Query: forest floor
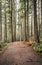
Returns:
(19,53)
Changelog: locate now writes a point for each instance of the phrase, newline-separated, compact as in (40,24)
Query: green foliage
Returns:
(38,47)
(2,45)
(22,0)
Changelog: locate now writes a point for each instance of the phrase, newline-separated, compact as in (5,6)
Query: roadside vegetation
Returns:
(37,47)
(3,45)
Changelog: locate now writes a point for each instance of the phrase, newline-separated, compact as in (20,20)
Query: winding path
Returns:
(18,53)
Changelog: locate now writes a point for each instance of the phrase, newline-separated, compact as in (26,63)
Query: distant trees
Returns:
(13,20)
(29,20)
(8,20)
(25,10)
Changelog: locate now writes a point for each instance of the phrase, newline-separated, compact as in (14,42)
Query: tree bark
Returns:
(11,22)
(0,21)
(25,17)
(5,29)
(36,34)
(26,21)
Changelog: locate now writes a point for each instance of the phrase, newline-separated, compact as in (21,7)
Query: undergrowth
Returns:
(2,45)
(37,47)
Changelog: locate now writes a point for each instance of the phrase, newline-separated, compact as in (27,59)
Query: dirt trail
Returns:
(19,53)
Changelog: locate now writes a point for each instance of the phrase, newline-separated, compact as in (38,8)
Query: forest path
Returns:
(18,53)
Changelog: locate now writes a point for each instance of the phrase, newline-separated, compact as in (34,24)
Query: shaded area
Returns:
(18,53)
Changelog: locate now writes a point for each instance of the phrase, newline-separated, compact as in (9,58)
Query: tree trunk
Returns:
(14,20)
(26,21)
(41,11)
(0,21)
(11,22)
(25,18)
(5,29)
(35,23)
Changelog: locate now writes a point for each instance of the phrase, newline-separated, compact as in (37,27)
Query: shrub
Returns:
(38,47)
(2,45)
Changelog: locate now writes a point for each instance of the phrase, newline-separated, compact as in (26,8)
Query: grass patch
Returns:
(2,45)
(37,47)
